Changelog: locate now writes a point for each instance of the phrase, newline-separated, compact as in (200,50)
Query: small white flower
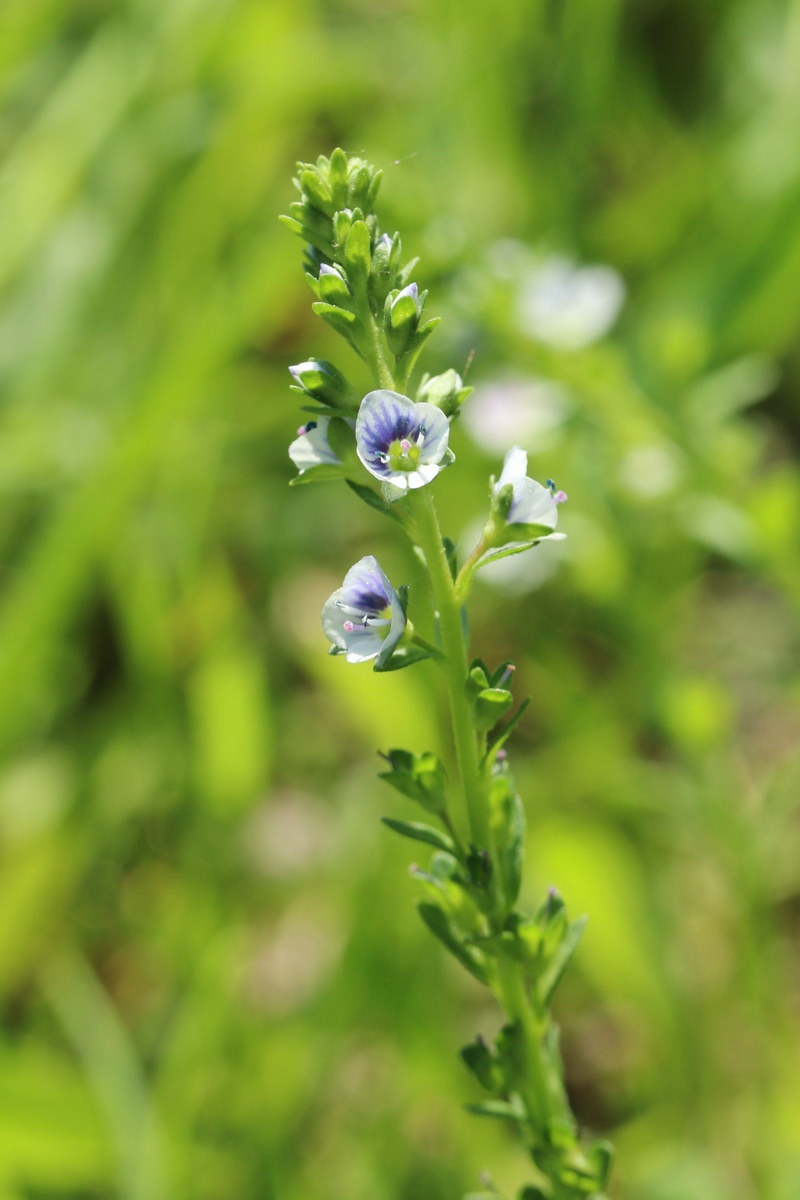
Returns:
(531,503)
(364,616)
(400,442)
(311,447)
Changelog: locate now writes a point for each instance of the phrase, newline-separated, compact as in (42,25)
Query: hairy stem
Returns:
(455,649)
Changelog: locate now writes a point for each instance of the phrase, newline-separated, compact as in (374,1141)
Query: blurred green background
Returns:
(214,983)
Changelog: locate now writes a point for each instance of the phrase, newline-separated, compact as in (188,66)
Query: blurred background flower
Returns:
(213,981)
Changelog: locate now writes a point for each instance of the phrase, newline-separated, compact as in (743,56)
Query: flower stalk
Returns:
(391,449)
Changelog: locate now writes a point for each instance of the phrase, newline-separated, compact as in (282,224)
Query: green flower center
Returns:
(403,455)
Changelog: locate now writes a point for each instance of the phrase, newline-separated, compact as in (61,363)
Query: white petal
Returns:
(424,473)
(515,464)
(437,432)
(532,505)
(311,449)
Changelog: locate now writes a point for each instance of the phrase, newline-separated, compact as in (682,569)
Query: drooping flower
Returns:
(311,447)
(364,616)
(400,442)
(531,503)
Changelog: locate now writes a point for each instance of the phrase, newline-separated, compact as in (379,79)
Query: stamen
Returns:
(303,429)
(506,676)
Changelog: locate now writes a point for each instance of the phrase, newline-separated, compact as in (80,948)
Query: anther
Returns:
(504,678)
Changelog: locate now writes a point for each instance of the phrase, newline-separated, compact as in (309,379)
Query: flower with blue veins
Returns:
(365,617)
(399,442)
(525,503)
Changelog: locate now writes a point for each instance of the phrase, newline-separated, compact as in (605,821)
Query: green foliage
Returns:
(255,1034)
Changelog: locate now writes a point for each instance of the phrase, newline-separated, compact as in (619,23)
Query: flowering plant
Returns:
(390,448)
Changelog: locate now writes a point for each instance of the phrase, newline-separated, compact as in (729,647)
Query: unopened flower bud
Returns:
(404,309)
(324,382)
(446,391)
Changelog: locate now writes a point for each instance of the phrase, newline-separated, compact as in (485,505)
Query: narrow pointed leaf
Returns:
(418,832)
(561,960)
(375,501)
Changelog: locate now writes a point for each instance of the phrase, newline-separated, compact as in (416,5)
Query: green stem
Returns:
(448,598)
(514,999)
(454,644)
(376,353)
(449,825)
(425,645)
(464,577)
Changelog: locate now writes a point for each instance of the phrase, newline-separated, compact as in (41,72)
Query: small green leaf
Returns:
(508,827)
(340,319)
(451,554)
(357,255)
(319,474)
(291,223)
(372,498)
(504,1110)
(440,926)
(421,833)
(403,313)
(489,706)
(317,192)
(338,176)
(601,1156)
(334,315)
(333,289)
(405,273)
(414,349)
(505,733)
(554,973)
(478,1058)
(419,777)
(506,552)
(341,437)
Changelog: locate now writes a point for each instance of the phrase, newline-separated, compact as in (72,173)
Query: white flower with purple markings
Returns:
(532,506)
(311,447)
(399,442)
(365,616)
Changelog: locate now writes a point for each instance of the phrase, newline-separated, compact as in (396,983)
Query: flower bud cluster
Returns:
(362,289)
